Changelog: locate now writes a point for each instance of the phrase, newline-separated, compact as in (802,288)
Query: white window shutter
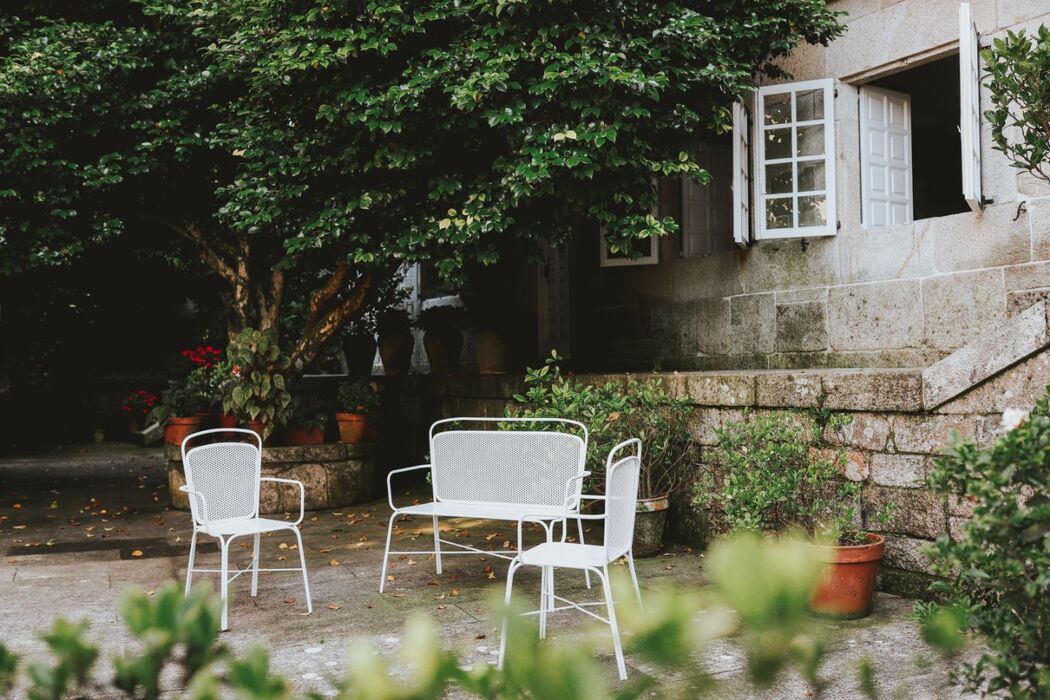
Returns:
(885,157)
(970,108)
(741,176)
(794,149)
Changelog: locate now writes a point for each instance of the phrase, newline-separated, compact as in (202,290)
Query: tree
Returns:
(1018,68)
(308,148)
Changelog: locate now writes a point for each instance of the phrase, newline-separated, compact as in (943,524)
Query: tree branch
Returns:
(318,332)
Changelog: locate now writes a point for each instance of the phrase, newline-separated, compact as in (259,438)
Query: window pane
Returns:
(810,140)
(810,175)
(812,210)
(778,178)
(809,105)
(777,108)
(778,143)
(778,213)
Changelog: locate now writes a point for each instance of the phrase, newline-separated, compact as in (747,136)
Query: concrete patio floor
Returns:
(81,524)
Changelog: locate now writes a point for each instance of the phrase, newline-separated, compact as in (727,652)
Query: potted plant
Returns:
(770,473)
(614,412)
(359,337)
(306,422)
(136,407)
(395,341)
(180,410)
(357,401)
(257,394)
(442,337)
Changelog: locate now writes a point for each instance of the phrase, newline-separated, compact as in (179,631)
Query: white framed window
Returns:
(885,157)
(646,252)
(795,160)
(741,175)
(970,108)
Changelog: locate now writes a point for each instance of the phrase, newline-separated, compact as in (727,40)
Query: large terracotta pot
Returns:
(849,584)
(649,523)
(490,351)
(303,436)
(396,353)
(360,352)
(178,428)
(355,428)
(444,347)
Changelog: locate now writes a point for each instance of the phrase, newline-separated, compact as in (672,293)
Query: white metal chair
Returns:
(621,498)
(222,482)
(500,474)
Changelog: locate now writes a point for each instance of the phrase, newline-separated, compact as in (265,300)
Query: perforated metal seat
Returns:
(525,466)
(222,484)
(621,500)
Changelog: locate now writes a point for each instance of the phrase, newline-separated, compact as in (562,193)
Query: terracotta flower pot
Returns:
(360,353)
(355,428)
(849,584)
(227,421)
(444,347)
(490,351)
(178,428)
(396,353)
(649,523)
(304,436)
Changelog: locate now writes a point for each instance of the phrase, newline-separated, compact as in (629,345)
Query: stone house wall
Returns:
(899,296)
(901,419)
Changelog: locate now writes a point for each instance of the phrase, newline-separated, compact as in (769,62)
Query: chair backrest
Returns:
(621,498)
(528,464)
(225,473)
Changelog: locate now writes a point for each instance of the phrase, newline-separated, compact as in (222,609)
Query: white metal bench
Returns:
(493,474)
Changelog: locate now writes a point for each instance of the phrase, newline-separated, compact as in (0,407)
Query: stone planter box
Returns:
(334,475)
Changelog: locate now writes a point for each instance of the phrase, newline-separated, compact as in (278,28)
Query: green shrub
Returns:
(360,396)
(258,391)
(768,473)
(998,572)
(614,412)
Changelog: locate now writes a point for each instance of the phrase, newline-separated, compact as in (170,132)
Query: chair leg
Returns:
(437,546)
(193,557)
(586,572)
(255,566)
(302,563)
(550,596)
(621,667)
(386,551)
(544,578)
(506,612)
(224,583)
(634,578)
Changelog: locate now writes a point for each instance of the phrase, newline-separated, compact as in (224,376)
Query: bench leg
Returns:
(586,572)
(437,546)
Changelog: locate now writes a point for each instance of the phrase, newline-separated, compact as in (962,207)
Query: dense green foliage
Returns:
(767,614)
(259,389)
(360,396)
(1018,81)
(769,473)
(304,149)
(998,572)
(614,412)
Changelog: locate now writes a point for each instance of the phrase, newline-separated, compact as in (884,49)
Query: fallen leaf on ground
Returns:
(136,552)
(333,562)
(289,600)
(453,593)
(326,550)
(334,606)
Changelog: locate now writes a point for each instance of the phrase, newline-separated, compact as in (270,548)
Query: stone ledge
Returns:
(985,356)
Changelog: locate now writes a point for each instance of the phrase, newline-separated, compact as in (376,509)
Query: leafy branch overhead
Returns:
(302,150)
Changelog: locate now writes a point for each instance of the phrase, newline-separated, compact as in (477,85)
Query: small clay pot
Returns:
(849,584)
(178,428)
(354,428)
(303,436)
(490,351)
(650,520)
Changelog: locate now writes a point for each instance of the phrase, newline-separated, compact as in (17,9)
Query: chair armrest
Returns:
(542,520)
(302,493)
(203,501)
(389,485)
(567,502)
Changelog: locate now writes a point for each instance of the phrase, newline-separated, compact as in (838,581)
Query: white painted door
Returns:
(885,157)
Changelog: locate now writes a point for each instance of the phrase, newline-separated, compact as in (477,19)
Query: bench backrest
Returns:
(526,465)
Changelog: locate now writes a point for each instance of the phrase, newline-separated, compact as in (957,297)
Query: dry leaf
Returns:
(289,600)
(326,550)
(334,606)
(453,593)
(333,562)
(136,553)
(391,577)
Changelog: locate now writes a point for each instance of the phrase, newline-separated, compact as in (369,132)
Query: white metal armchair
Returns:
(222,482)
(621,498)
